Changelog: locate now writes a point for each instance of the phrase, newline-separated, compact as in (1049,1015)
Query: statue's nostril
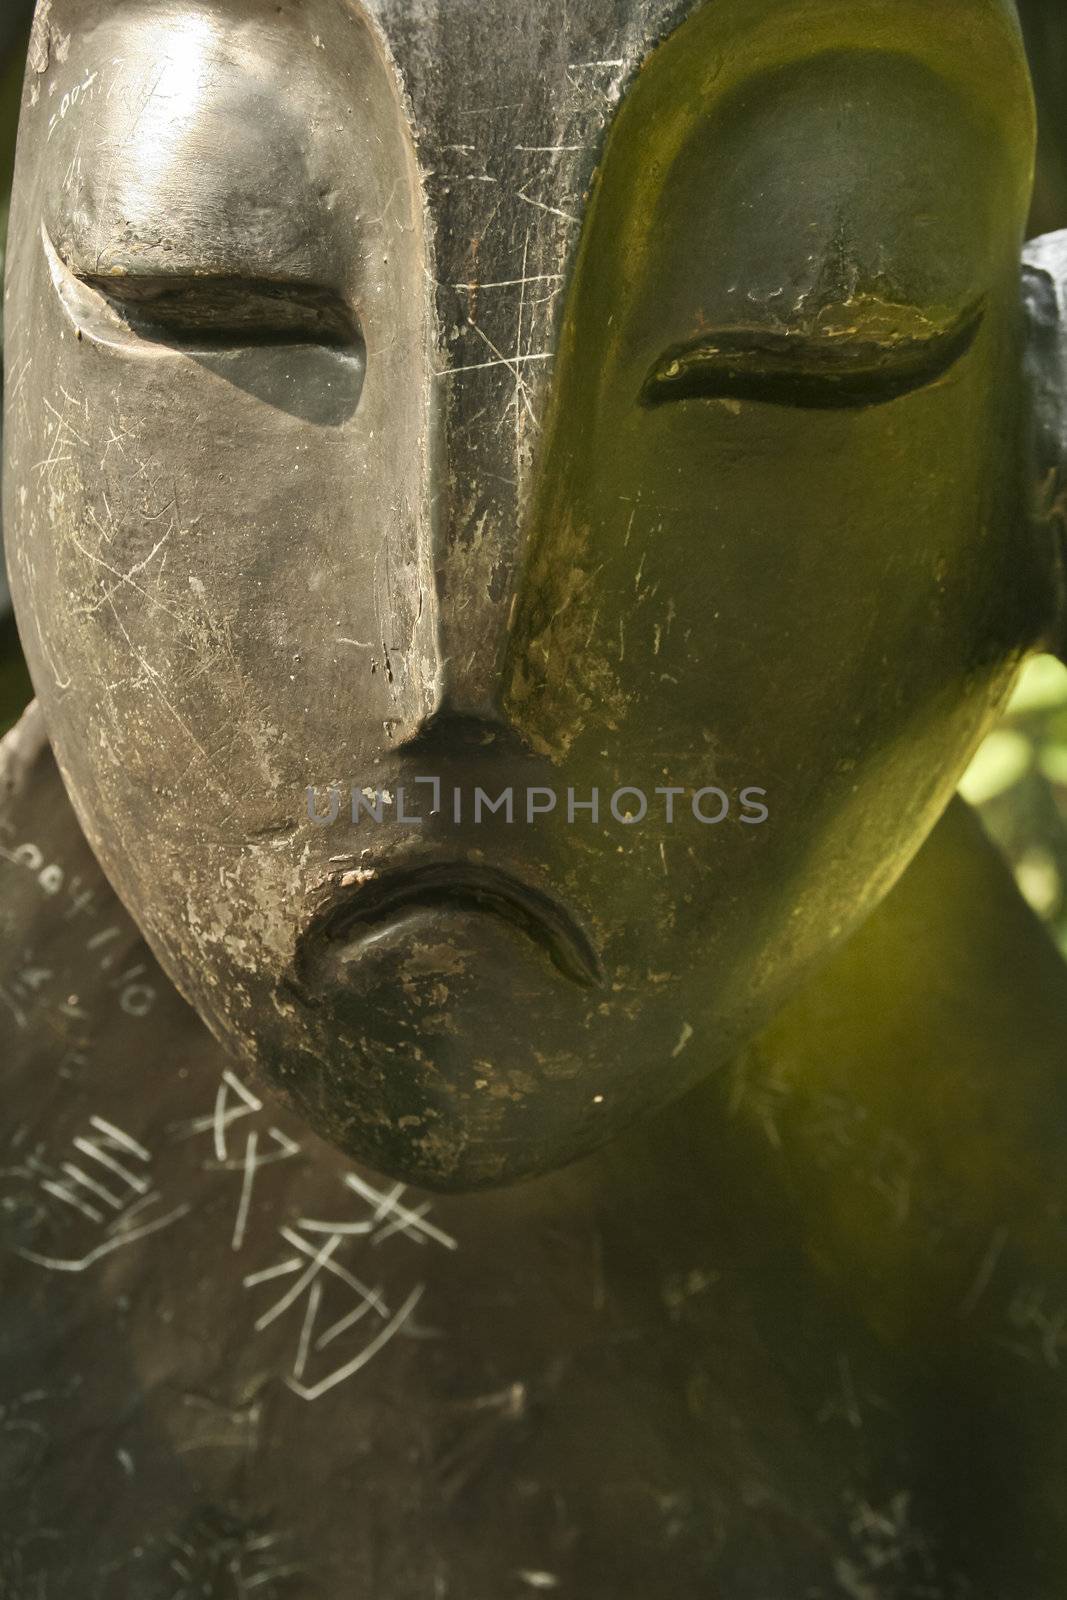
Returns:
(451,734)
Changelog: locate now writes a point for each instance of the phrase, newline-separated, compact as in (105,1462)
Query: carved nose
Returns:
(472,634)
(479,535)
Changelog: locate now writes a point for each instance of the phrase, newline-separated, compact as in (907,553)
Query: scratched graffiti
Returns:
(216,1553)
(333,1307)
(263,1147)
(312,1271)
(71,99)
(104,1192)
(1038,1326)
(106,1184)
(34,985)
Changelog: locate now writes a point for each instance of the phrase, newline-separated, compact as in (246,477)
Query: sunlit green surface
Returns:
(1018,781)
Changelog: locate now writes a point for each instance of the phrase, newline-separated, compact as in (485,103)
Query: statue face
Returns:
(358,435)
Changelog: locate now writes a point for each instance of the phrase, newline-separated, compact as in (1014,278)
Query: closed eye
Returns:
(201,312)
(823,369)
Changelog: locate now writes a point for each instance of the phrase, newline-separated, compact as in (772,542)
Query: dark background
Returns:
(1045,24)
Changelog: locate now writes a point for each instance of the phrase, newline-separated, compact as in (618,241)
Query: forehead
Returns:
(512,104)
(509,106)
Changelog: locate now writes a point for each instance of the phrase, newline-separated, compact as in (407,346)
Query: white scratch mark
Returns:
(388,1206)
(115,1243)
(553,211)
(392,1327)
(683,1039)
(283,1269)
(318,1261)
(310,1313)
(248,1178)
(514,283)
(989,1265)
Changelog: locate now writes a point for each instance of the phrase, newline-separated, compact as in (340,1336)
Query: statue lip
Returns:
(383,899)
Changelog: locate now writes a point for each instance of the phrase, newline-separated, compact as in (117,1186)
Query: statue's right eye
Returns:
(201,312)
(824,368)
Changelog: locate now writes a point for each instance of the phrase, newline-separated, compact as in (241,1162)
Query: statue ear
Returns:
(1045,304)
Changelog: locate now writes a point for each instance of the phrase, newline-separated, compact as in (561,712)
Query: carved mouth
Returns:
(384,900)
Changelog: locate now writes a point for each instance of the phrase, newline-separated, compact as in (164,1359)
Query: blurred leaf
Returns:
(1042,686)
(1002,762)
(1052,760)
(1039,880)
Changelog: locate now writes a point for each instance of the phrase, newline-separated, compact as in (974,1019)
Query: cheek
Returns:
(742,567)
(215,575)
(809,603)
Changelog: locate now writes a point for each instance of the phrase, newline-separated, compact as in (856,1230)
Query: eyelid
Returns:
(828,369)
(194,311)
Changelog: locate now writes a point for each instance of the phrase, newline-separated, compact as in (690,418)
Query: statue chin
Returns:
(415,1063)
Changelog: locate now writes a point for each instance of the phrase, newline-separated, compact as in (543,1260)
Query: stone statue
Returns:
(518,521)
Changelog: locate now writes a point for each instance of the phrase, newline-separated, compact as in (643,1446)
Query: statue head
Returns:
(423,406)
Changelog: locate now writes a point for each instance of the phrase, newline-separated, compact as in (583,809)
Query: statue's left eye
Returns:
(849,362)
(202,311)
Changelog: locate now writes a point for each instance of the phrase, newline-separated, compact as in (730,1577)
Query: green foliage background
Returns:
(1018,781)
